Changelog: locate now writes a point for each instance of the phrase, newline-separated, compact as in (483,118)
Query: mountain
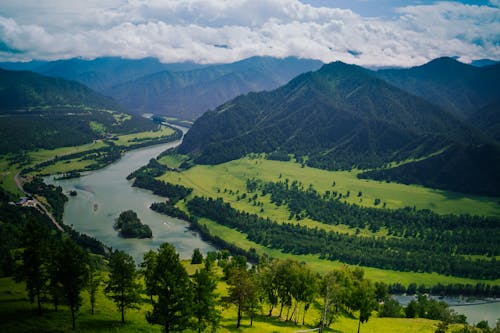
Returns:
(101,73)
(483,62)
(188,94)
(181,90)
(457,87)
(339,117)
(44,112)
(22,90)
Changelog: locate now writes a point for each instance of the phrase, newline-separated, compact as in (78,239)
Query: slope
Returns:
(339,117)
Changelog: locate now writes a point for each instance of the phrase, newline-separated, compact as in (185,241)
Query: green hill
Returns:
(43,112)
(339,117)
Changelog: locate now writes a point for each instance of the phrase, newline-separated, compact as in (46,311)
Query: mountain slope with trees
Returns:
(339,117)
(44,112)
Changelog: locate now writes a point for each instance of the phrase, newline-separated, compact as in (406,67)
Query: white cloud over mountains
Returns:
(211,31)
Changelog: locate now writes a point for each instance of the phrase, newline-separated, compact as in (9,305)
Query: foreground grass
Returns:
(18,315)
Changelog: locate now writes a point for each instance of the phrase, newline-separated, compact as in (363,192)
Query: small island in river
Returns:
(130,226)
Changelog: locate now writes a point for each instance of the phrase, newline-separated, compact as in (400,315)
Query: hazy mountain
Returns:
(188,94)
(483,62)
(339,117)
(24,90)
(455,86)
(45,112)
(101,73)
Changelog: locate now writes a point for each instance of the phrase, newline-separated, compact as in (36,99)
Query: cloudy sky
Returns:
(364,32)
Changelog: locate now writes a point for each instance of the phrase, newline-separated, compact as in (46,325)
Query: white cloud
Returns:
(223,31)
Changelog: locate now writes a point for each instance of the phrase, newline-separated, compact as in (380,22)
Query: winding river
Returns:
(103,194)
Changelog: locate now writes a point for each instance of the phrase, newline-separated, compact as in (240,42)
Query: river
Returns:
(103,194)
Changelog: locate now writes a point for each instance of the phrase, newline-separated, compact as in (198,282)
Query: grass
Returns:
(228,181)
(323,266)
(127,140)
(18,315)
(207,180)
(7,172)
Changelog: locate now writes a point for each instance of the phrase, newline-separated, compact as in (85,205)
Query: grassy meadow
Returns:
(228,181)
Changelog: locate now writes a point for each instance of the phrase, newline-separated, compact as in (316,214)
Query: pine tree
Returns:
(205,300)
(173,306)
(121,287)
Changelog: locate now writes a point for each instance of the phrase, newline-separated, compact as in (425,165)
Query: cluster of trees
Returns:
(452,289)
(129,225)
(172,191)
(404,254)
(152,169)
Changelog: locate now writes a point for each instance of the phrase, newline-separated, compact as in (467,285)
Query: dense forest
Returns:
(397,253)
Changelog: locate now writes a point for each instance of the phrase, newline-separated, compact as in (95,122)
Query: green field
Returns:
(7,172)
(18,315)
(207,179)
(228,181)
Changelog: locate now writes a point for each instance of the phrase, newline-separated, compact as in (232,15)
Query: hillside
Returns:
(339,117)
(43,112)
(488,119)
(457,87)
(188,94)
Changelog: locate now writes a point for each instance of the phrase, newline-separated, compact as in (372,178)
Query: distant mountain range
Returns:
(457,87)
(46,112)
(345,116)
(183,90)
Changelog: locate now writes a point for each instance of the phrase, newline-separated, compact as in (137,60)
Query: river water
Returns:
(103,194)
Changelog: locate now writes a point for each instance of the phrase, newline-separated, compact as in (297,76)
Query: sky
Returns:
(362,32)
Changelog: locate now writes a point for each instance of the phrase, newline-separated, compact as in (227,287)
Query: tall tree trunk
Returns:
(281,309)
(73,316)
(39,303)
(304,314)
(271,311)
(359,325)
(92,307)
(123,307)
(239,316)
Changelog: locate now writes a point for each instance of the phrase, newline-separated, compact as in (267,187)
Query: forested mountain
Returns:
(488,119)
(341,116)
(188,94)
(457,87)
(44,112)
(101,73)
(182,90)
(22,90)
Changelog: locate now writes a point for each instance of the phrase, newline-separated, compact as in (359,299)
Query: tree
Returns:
(205,300)
(121,287)
(148,270)
(363,300)
(197,257)
(242,291)
(173,305)
(33,268)
(94,281)
(73,271)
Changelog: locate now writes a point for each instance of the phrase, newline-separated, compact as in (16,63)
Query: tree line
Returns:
(387,253)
